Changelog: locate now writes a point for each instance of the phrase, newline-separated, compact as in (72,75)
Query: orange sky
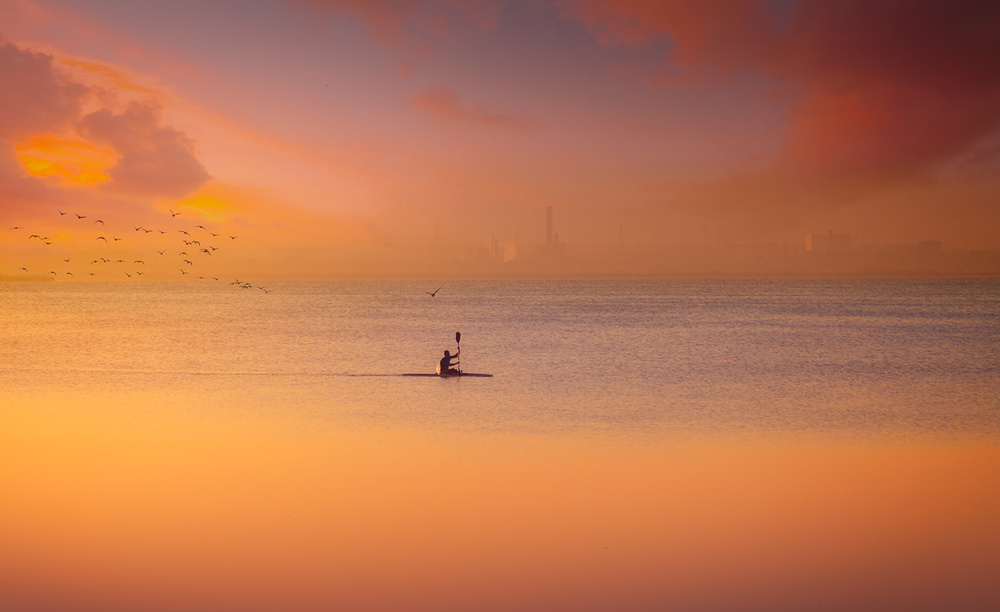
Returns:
(335,137)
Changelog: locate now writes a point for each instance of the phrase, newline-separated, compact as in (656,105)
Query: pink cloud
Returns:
(34,97)
(154,159)
(443,104)
(412,24)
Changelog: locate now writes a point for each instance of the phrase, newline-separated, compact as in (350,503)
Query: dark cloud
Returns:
(885,86)
(34,97)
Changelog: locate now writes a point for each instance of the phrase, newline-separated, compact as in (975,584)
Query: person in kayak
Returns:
(444,367)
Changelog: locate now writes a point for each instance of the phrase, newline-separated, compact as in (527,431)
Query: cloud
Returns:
(34,97)
(153,159)
(42,118)
(412,23)
(885,86)
(443,104)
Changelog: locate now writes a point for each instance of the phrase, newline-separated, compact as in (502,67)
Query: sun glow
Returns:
(77,162)
(207,206)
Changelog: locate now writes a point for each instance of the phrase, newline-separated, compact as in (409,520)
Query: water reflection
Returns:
(110,506)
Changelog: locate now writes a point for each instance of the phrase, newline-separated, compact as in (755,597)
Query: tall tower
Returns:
(548,226)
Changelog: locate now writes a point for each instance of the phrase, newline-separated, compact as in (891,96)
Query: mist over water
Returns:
(808,444)
(841,357)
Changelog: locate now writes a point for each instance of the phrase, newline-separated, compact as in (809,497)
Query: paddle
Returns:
(458,359)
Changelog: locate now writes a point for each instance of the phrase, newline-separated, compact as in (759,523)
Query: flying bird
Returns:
(117,239)
(172,213)
(25,269)
(184,232)
(16,227)
(162,252)
(139,261)
(61,213)
(205,251)
(99,221)
(202,227)
(102,238)
(183,271)
(433,294)
(233,237)
(79,216)
(139,228)
(188,262)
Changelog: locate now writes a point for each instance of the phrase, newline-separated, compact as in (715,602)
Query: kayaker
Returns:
(444,367)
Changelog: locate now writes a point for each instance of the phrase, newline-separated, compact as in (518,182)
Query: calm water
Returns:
(662,445)
(854,358)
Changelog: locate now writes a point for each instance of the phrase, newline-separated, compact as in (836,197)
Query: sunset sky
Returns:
(326,134)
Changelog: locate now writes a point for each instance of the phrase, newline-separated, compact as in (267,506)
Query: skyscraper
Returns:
(548,227)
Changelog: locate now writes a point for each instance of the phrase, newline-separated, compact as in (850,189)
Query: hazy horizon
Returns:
(363,138)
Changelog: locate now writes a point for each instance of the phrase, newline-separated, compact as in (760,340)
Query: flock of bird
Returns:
(183,249)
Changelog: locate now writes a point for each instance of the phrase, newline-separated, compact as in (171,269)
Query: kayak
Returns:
(451,375)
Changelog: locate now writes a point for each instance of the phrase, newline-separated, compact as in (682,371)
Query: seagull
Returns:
(188,262)
(162,252)
(183,271)
(202,227)
(147,231)
(34,236)
(67,260)
(117,239)
(128,275)
(79,216)
(102,238)
(70,273)
(16,227)
(93,262)
(139,273)
(139,228)
(139,261)
(51,272)
(183,253)
(172,213)
(213,248)
(25,269)
(433,294)
(99,221)
(183,232)
(61,213)
(233,237)
(205,251)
